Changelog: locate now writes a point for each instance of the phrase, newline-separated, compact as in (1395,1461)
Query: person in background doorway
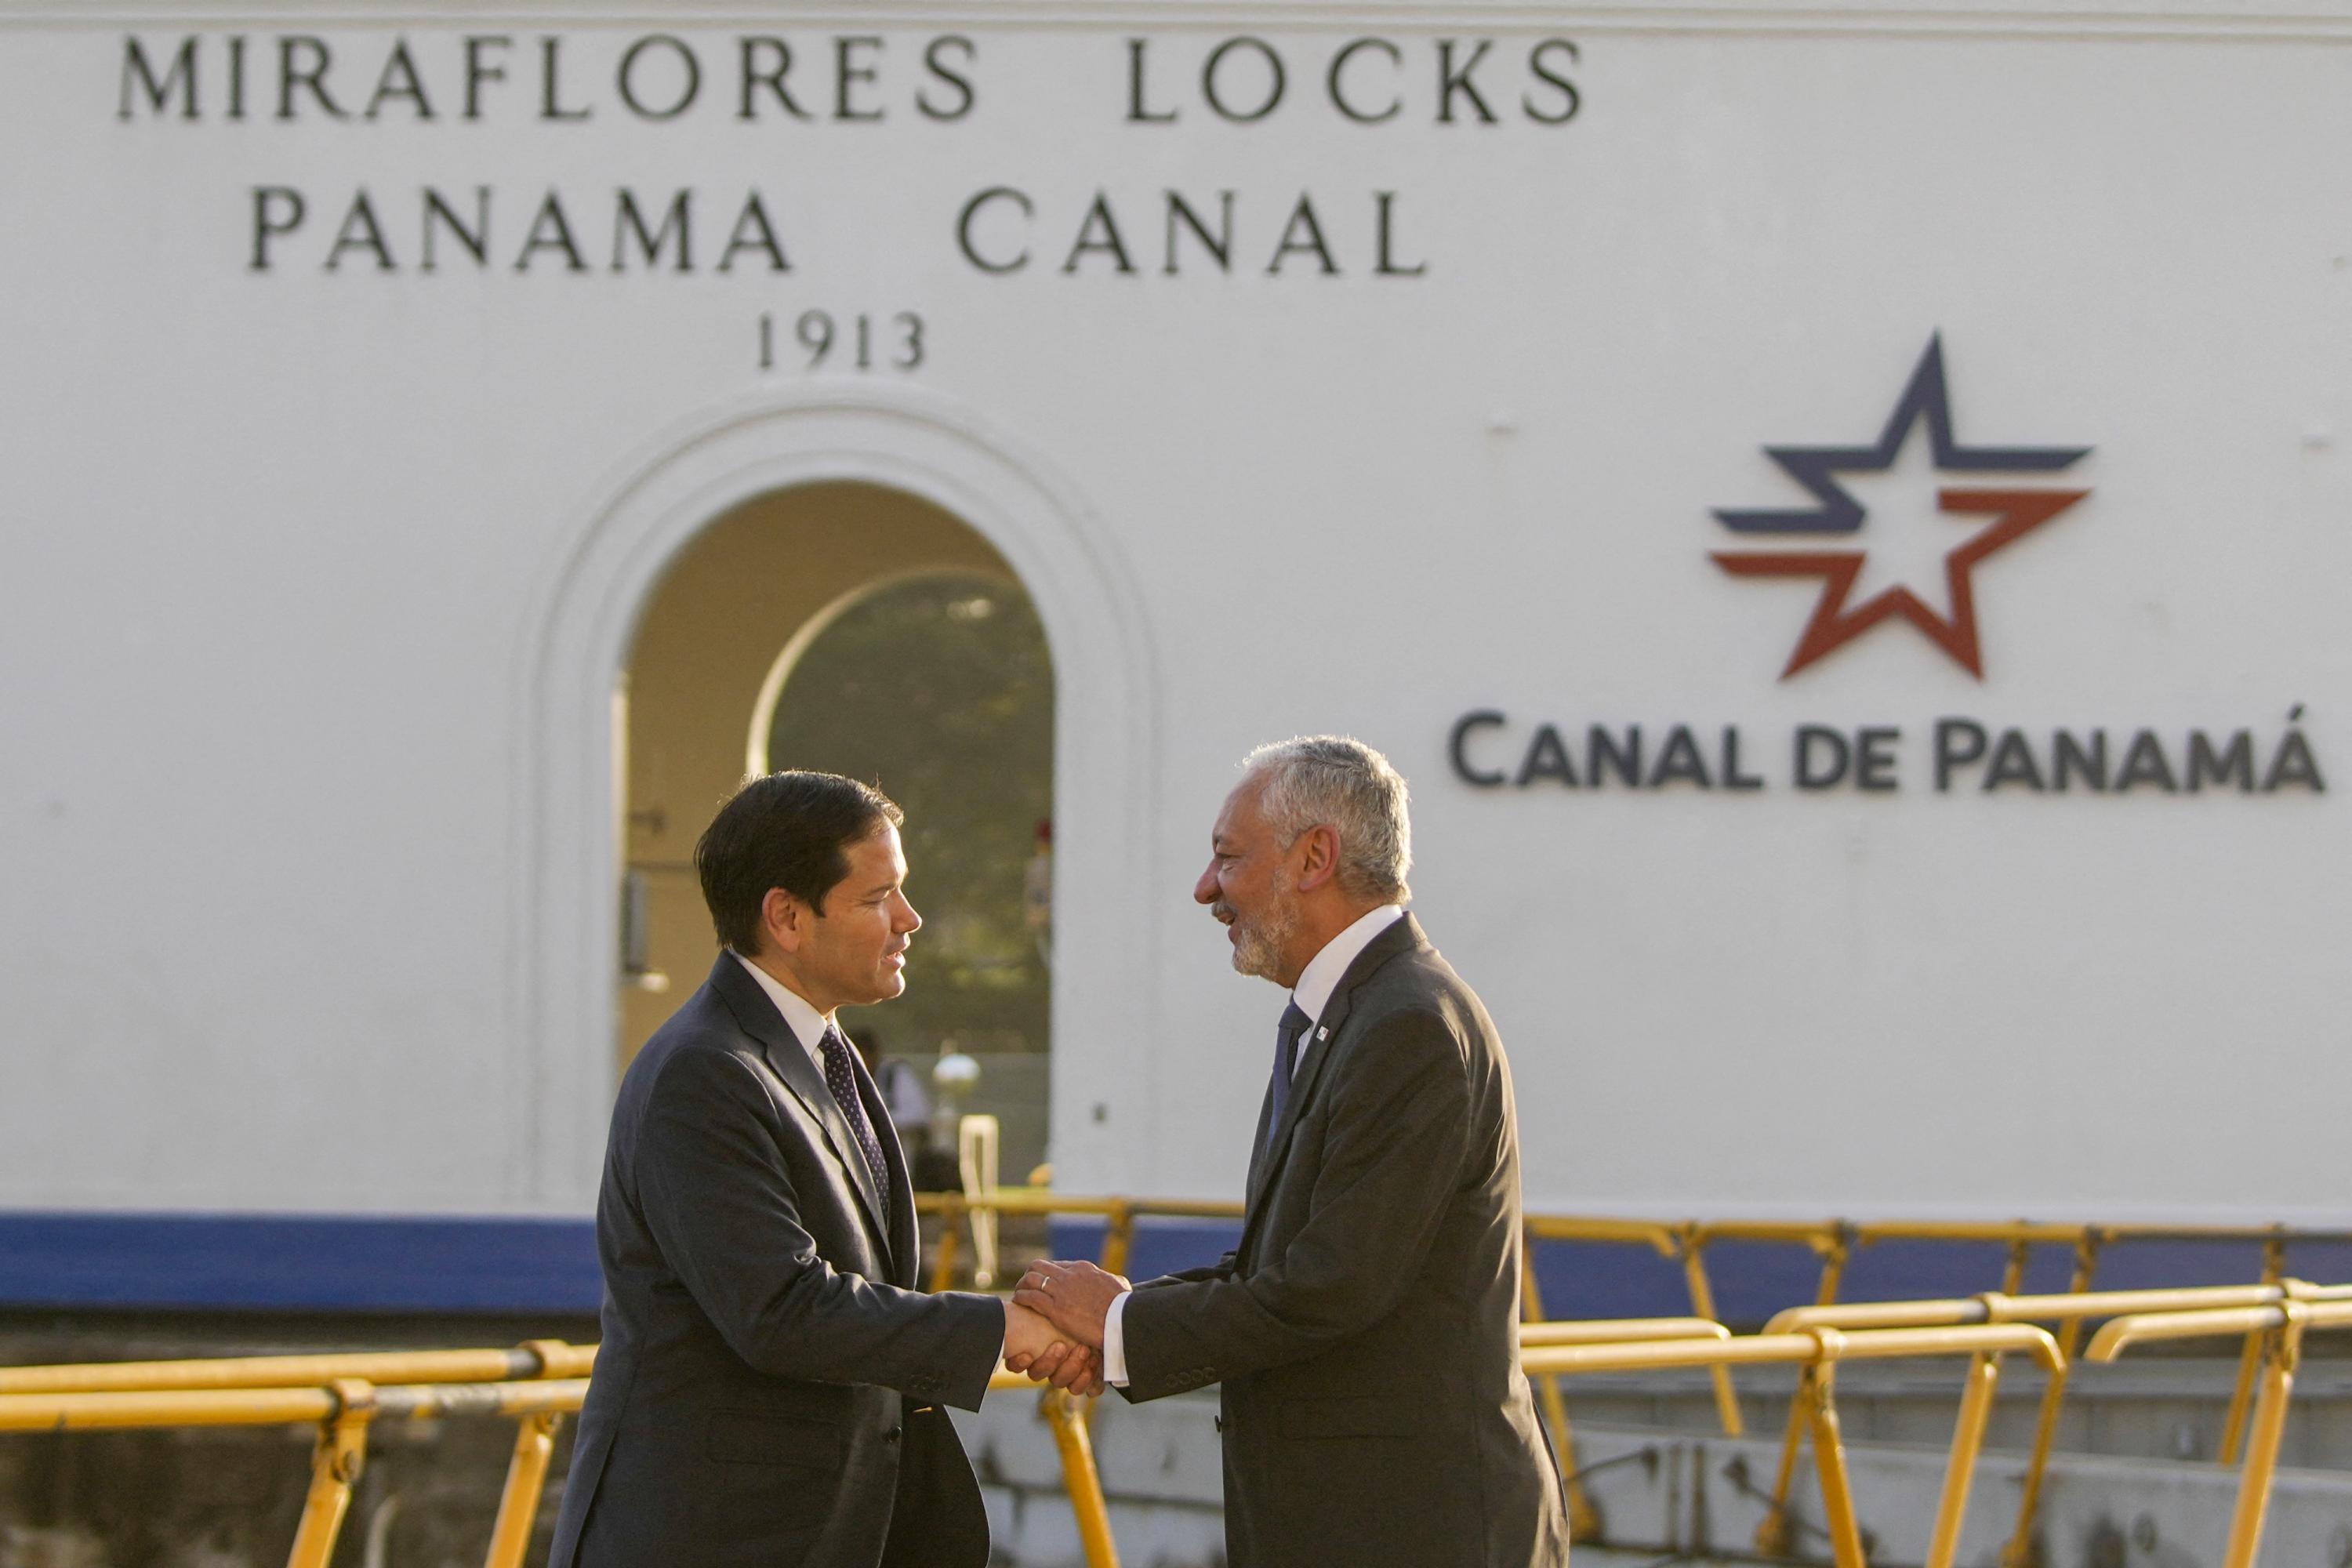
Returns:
(903,1094)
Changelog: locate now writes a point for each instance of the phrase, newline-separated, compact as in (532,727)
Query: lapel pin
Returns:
(1322,1034)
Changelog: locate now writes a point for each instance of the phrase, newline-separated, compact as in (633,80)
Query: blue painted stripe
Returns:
(251,1262)
(1752,1281)
(330,1263)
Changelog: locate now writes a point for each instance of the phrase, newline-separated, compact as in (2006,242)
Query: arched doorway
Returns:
(861,630)
(568,832)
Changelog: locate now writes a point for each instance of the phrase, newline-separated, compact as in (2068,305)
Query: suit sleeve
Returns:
(1223,1269)
(714,1194)
(1395,1134)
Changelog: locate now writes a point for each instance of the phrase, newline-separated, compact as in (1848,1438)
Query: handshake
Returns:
(1054,1324)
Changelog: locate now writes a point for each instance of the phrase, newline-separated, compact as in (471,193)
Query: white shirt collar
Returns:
(1321,975)
(807,1025)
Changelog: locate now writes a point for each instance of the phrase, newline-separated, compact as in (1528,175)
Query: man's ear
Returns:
(785,920)
(1318,855)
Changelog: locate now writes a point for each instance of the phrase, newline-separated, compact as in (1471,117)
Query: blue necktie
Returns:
(1285,1062)
(839,1079)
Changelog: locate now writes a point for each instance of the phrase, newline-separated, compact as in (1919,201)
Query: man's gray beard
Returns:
(1257,946)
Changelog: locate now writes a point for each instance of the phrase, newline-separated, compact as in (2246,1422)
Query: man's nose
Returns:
(908,921)
(1205,891)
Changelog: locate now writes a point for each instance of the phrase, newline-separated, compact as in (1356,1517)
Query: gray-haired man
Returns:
(1365,1330)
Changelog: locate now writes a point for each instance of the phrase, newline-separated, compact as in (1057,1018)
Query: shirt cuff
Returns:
(1113,1367)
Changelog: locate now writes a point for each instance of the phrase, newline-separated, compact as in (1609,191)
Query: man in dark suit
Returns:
(1366,1331)
(768,1387)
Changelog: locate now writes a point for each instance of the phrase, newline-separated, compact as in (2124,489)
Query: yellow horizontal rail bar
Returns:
(1664,1238)
(2112,1303)
(2141,1327)
(1819,1234)
(1869,1233)
(2216,1233)
(2299,1290)
(191,1407)
(540,1396)
(1879,1315)
(262,1390)
(552,1359)
(1993,1307)
(1874,1344)
(1619,1331)
(1659,1354)
(115,1411)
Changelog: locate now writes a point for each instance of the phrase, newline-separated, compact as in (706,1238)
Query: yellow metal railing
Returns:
(1818,1351)
(2278,1329)
(1685,1243)
(344,1410)
(329,1392)
(2070,1310)
(343,1395)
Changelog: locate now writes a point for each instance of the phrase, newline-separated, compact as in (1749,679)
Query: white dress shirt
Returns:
(1310,997)
(808,1026)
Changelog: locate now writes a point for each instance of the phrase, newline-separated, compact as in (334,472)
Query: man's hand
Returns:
(1074,1296)
(1033,1346)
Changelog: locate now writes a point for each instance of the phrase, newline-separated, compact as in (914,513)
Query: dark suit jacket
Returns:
(1366,1331)
(768,1388)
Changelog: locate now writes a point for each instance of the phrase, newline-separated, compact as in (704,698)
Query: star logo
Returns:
(2010,513)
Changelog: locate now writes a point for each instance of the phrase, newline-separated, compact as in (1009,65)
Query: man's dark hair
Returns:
(790,830)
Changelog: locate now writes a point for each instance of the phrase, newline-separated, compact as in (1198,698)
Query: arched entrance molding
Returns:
(568,790)
(759,738)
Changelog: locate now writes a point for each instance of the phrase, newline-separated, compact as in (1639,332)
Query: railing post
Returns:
(1118,1237)
(1817,1387)
(2250,1360)
(1968,1439)
(525,1480)
(1080,1479)
(1836,1250)
(335,1465)
(2018,1553)
(1692,1242)
(2285,1349)
(2012,1275)
(1773,1535)
(943,1261)
(526,1471)
(1583,1519)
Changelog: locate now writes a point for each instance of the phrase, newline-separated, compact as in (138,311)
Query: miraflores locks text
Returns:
(769,83)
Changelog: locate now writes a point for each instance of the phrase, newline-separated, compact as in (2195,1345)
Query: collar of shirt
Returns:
(1321,975)
(807,1025)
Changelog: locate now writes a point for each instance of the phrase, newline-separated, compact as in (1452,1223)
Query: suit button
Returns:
(891,1435)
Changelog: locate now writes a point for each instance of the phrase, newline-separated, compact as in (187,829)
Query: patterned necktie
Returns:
(1285,1062)
(839,1079)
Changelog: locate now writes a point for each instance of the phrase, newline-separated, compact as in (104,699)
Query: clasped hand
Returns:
(1034,1346)
(1065,1305)
(1074,1296)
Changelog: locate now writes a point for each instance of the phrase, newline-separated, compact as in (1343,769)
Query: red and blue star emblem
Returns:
(2011,511)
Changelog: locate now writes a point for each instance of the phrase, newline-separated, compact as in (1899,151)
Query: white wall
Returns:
(297,729)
